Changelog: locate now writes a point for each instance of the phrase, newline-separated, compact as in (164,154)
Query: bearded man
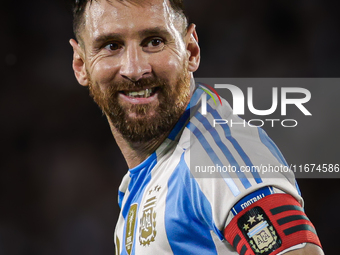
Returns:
(138,58)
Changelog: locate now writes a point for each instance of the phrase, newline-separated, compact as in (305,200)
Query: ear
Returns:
(78,63)
(192,47)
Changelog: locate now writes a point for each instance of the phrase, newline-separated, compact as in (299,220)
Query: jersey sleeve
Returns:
(221,159)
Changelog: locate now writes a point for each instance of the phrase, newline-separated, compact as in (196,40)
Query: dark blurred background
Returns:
(60,166)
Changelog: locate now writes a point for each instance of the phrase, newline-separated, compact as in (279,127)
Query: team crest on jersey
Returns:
(147,226)
(259,231)
(130,228)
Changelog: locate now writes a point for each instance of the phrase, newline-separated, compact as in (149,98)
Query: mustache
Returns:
(144,83)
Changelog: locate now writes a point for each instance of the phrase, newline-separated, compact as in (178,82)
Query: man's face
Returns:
(137,65)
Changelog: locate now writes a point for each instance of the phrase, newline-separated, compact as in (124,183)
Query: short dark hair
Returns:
(80,5)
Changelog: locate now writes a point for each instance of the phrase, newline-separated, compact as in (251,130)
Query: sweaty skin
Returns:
(117,45)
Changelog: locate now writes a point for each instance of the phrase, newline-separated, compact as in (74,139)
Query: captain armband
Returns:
(269,226)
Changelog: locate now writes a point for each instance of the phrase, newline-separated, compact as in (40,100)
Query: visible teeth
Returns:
(142,93)
(147,92)
(132,94)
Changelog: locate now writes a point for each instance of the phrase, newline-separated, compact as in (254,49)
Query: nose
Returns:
(135,63)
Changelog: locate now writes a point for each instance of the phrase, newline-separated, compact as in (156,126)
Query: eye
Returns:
(155,42)
(154,45)
(113,46)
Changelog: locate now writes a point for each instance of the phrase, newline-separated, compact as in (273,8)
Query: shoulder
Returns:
(238,154)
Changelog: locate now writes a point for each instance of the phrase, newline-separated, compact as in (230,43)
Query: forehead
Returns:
(127,17)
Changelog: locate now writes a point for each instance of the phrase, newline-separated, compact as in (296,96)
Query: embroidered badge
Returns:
(147,226)
(130,228)
(259,231)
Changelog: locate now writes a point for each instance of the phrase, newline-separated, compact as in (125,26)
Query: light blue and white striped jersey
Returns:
(168,208)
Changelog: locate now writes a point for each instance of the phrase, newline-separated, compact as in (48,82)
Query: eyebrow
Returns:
(143,33)
(154,31)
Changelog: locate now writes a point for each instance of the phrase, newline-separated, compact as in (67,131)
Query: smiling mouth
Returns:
(144,93)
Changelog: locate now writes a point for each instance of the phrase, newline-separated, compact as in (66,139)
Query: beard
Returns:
(143,126)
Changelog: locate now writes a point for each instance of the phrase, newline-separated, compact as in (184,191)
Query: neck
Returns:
(136,152)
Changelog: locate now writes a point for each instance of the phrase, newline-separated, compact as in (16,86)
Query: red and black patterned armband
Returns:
(269,226)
